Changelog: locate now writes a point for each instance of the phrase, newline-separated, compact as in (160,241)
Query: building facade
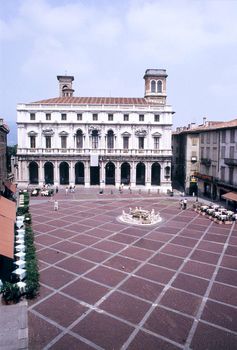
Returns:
(101,141)
(216,162)
(4,130)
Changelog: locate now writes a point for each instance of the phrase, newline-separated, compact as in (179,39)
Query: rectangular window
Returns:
(64,142)
(48,116)
(156,142)
(214,153)
(202,138)
(231,175)
(208,152)
(232,135)
(141,117)
(79,116)
(63,116)
(32,141)
(95,117)
(141,142)
(208,137)
(222,151)
(222,173)
(48,141)
(32,116)
(232,152)
(157,118)
(110,117)
(194,141)
(215,137)
(125,142)
(125,117)
(95,142)
(223,136)
(214,171)
(202,152)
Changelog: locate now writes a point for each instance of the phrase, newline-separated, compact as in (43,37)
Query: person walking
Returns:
(185,203)
(66,191)
(55,205)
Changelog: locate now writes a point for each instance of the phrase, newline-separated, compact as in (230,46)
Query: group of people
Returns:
(183,204)
(70,189)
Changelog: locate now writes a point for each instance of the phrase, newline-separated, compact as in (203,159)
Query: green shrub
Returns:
(10,292)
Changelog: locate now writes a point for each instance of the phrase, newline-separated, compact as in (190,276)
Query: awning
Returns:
(7,208)
(11,186)
(230,196)
(7,237)
(7,222)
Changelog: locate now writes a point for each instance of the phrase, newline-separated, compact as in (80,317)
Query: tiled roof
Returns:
(208,127)
(98,101)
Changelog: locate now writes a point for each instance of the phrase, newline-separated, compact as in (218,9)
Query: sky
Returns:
(107,46)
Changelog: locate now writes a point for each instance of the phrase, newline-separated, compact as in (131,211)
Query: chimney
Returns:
(204,119)
(65,85)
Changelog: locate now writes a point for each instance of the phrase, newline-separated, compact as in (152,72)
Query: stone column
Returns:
(102,174)
(71,177)
(148,174)
(117,174)
(41,173)
(133,175)
(56,173)
(87,173)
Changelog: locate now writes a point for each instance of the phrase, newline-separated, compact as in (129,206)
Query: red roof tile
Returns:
(98,101)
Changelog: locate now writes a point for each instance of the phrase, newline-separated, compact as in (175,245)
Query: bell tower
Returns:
(155,85)
(65,85)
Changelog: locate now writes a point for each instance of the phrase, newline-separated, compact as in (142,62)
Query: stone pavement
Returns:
(14,326)
(110,285)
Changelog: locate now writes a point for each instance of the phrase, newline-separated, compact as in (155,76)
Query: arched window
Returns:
(110,139)
(153,86)
(33,173)
(79,139)
(159,86)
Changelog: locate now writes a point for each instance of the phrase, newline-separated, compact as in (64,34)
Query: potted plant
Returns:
(10,293)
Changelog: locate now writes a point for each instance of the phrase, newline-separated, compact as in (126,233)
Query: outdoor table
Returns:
(22,286)
(20,247)
(215,206)
(21,273)
(204,207)
(223,217)
(20,263)
(210,210)
(20,255)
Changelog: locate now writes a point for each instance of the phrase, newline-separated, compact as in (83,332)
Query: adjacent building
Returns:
(89,141)
(214,170)
(4,130)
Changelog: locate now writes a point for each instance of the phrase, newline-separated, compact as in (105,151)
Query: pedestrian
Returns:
(181,202)
(66,190)
(56,189)
(185,203)
(55,205)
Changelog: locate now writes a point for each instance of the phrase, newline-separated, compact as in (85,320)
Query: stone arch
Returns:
(125,173)
(33,173)
(49,173)
(64,173)
(110,173)
(140,174)
(79,173)
(155,174)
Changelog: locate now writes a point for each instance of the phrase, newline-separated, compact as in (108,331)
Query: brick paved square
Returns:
(103,330)
(227,276)
(94,255)
(169,324)
(125,307)
(106,276)
(76,265)
(57,307)
(50,256)
(122,263)
(155,273)
(171,262)
(70,342)
(198,269)
(144,341)
(223,293)
(85,290)
(55,278)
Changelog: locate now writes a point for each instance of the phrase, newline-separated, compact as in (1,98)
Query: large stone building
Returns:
(102,141)
(214,170)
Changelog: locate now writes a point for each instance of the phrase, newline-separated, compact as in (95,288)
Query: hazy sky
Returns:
(107,45)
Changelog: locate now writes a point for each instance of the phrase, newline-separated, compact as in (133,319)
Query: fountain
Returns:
(139,216)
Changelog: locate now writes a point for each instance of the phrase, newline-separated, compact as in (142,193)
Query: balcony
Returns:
(206,161)
(88,151)
(230,161)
